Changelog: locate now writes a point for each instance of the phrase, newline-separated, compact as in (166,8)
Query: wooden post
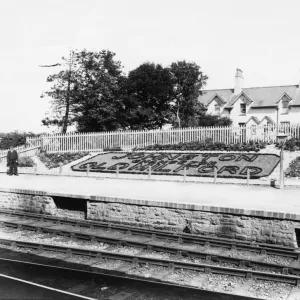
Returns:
(215,174)
(35,169)
(60,168)
(149,174)
(117,171)
(281,169)
(248,176)
(88,170)
(184,174)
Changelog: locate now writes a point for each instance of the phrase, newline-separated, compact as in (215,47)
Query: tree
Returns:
(62,93)
(87,92)
(149,93)
(99,100)
(188,79)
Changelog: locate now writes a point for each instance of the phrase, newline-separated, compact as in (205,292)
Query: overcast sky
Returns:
(262,37)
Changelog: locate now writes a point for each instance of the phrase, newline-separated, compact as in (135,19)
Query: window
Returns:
(285,107)
(285,127)
(217,109)
(253,129)
(243,108)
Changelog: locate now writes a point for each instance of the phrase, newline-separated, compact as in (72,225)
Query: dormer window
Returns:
(217,109)
(285,106)
(243,108)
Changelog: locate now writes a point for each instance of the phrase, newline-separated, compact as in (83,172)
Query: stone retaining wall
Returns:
(260,230)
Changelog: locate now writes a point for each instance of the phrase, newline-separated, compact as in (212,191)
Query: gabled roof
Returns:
(261,96)
(255,119)
(240,95)
(268,120)
(284,96)
(219,97)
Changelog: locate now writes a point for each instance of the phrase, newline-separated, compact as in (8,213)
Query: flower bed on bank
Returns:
(207,145)
(294,168)
(228,165)
(53,160)
(26,162)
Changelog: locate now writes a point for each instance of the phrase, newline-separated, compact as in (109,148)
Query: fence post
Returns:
(248,176)
(215,174)
(184,174)
(149,174)
(117,171)
(88,170)
(60,168)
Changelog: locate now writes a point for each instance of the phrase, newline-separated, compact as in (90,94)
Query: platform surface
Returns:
(234,199)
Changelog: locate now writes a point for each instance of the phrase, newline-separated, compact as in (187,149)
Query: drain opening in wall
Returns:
(297,232)
(71,204)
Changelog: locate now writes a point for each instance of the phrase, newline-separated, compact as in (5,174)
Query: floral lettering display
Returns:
(235,165)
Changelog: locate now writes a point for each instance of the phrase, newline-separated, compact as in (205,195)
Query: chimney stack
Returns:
(239,80)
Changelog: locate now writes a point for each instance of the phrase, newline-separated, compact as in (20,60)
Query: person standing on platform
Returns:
(12,161)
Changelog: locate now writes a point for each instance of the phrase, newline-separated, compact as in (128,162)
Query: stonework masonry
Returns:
(260,230)
(240,227)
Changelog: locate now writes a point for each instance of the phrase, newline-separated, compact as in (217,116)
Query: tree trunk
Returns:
(178,118)
(66,117)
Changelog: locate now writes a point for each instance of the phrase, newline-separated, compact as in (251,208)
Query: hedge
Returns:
(207,146)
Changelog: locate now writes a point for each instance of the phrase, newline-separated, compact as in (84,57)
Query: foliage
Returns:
(149,93)
(53,160)
(208,145)
(26,161)
(213,120)
(292,144)
(294,168)
(14,139)
(87,92)
(188,80)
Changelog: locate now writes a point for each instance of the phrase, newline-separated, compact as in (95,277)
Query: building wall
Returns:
(293,115)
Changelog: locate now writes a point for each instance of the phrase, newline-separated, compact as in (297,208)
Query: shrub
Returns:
(294,168)
(292,144)
(208,145)
(14,139)
(53,160)
(26,161)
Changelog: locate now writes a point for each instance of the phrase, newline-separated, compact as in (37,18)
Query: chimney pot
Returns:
(239,80)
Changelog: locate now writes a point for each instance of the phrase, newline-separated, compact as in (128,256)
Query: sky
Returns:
(261,37)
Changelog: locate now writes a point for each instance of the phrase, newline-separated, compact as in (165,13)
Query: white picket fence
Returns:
(127,140)
(22,151)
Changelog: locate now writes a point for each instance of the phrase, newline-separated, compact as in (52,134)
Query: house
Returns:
(254,106)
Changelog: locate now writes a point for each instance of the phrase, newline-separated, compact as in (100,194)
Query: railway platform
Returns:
(257,201)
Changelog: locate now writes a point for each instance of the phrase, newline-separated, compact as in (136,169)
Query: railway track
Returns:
(182,257)
(16,288)
(39,281)
(181,238)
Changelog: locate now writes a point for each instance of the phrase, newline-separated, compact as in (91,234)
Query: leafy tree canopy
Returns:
(149,93)
(188,80)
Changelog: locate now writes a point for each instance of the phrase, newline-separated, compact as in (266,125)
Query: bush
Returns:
(14,139)
(208,145)
(292,144)
(26,161)
(294,168)
(53,160)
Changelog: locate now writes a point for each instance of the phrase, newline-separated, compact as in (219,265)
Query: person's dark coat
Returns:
(12,158)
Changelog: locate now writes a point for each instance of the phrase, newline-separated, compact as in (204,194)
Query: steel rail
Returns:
(68,271)
(166,235)
(33,290)
(170,264)
(149,245)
